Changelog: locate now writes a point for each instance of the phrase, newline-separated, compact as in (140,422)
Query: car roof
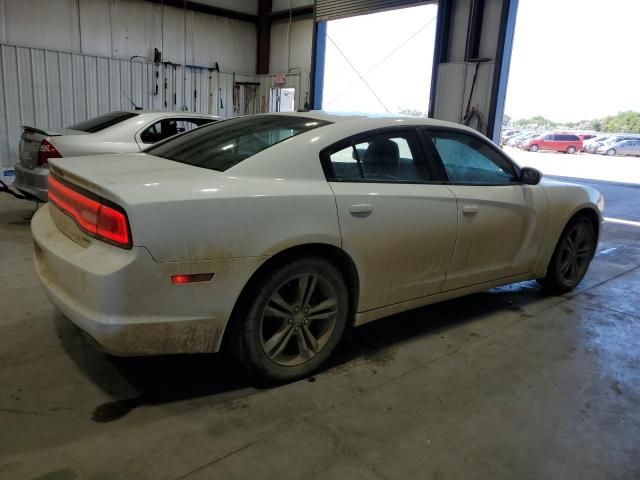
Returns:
(368,121)
(171,113)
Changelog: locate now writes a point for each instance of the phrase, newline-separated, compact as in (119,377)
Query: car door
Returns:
(396,222)
(547,142)
(501,222)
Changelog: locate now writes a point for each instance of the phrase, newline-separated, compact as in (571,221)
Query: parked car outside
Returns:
(603,147)
(622,147)
(559,142)
(272,233)
(116,132)
(592,144)
(586,136)
(507,134)
(511,142)
(528,136)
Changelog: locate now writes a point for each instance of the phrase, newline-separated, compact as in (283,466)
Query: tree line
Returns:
(623,122)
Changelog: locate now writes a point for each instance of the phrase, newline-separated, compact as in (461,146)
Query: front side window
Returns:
(469,160)
(383,157)
(221,145)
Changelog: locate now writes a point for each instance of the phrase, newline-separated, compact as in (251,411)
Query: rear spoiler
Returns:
(49,133)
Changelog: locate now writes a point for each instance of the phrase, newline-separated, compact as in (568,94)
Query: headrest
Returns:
(382,151)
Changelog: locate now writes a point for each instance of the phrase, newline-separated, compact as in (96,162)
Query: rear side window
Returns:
(386,157)
(96,124)
(222,145)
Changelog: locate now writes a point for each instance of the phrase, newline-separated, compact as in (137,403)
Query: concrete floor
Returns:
(508,384)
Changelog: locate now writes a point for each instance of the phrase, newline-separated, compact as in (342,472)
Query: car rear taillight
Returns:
(46,152)
(107,222)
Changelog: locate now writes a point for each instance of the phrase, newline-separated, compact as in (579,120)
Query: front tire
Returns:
(611,152)
(294,320)
(571,150)
(534,148)
(573,254)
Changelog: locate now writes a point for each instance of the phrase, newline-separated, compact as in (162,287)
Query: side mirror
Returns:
(530,176)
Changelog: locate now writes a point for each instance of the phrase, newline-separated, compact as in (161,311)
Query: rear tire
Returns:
(571,258)
(293,320)
(534,148)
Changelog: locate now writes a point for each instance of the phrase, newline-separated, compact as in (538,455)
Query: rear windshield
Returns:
(96,124)
(222,145)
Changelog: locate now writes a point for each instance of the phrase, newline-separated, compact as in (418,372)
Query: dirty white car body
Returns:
(405,243)
(124,132)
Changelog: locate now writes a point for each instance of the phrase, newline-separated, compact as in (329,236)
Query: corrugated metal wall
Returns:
(51,89)
(126,28)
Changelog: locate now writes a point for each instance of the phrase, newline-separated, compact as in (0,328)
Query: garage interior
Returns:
(508,383)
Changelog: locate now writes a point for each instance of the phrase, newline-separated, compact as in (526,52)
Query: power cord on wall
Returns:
(472,112)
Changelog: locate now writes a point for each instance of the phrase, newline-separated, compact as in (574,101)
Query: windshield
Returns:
(96,124)
(222,145)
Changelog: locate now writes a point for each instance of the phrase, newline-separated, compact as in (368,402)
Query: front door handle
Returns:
(470,209)
(361,209)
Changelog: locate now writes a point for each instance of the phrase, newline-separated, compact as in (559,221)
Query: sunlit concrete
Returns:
(506,384)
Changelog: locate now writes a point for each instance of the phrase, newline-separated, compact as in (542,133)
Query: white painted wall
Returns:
(455,78)
(124,28)
(291,49)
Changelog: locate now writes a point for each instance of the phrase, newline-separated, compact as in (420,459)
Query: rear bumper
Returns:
(32,182)
(124,299)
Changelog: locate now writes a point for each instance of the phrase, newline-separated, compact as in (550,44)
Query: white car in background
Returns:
(116,132)
(273,233)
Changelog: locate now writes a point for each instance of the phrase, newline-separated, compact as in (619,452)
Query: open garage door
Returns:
(381,62)
(572,107)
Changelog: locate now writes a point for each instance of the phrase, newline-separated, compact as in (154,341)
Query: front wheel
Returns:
(534,148)
(611,152)
(572,256)
(571,150)
(294,321)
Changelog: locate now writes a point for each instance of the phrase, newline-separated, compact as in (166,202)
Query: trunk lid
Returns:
(138,183)
(133,178)
(31,139)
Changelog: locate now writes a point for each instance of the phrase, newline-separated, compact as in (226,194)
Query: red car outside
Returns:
(558,142)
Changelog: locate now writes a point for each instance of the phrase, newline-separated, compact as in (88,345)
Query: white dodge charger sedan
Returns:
(271,234)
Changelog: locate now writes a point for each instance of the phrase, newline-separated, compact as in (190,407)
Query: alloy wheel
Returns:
(575,254)
(298,319)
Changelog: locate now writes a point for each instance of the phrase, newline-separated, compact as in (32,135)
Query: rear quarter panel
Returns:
(93,144)
(235,217)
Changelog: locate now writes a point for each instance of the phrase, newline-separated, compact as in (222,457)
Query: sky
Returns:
(572,60)
(575,59)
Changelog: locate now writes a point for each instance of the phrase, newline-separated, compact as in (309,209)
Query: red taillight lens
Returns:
(46,152)
(93,216)
(191,278)
(113,225)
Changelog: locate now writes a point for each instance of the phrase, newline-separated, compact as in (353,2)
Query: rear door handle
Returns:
(361,209)
(470,209)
